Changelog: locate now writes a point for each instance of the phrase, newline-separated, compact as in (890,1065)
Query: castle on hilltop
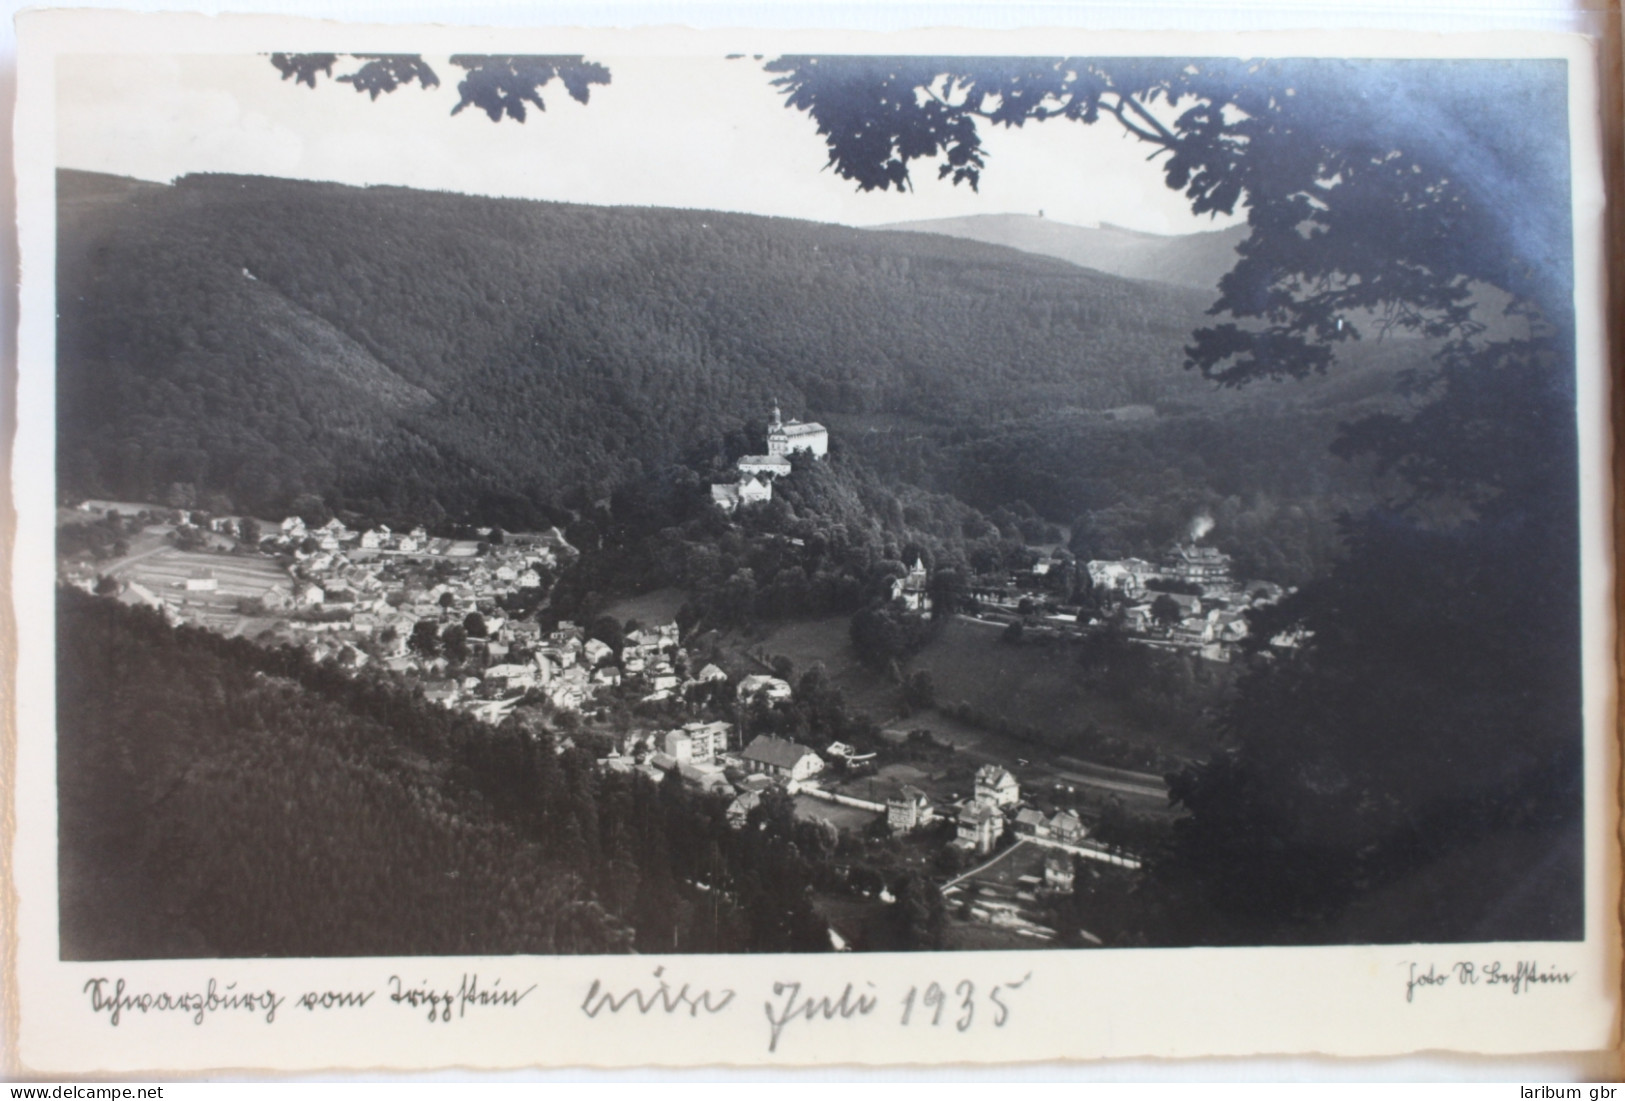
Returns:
(784,437)
(756,472)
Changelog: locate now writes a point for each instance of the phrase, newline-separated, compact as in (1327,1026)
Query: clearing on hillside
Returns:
(167,572)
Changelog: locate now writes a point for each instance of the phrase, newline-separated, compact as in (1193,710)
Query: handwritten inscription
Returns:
(468,994)
(1517,978)
(662,998)
(118,999)
(793,1004)
(961,1005)
(313,1000)
(964,994)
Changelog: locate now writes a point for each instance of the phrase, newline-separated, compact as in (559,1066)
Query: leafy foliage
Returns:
(1387,187)
(381,73)
(500,85)
(1428,715)
(304,68)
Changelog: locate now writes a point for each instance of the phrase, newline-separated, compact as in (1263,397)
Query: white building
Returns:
(760,684)
(995,786)
(783,436)
(912,589)
(779,757)
(708,740)
(750,490)
(769,465)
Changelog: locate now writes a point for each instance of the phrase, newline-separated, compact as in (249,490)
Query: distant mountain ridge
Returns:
(1194,260)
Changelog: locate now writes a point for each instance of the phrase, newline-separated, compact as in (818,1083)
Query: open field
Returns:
(1038,686)
(962,736)
(1021,859)
(1065,779)
(970,663)
(836,814)
(942,782)
(810,642)
(165,573)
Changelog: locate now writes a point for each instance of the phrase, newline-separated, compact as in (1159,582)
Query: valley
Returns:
(726,583)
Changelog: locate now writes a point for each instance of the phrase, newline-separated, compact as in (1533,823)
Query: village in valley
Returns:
(743,556)
(466,621)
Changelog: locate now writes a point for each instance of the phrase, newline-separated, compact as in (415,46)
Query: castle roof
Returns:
(801,428)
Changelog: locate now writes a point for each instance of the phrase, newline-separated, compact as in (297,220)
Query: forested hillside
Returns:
(217,798)
(399,351)
(1194,260)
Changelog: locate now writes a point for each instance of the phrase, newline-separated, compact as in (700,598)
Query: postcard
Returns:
(665,547)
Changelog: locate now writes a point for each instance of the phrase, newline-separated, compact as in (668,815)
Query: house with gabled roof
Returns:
(979,827)
(739,810)
(1059,873)
(1068,827)
(997,786)
(909,809)
(1031,823)
(780,757)
(1194,562)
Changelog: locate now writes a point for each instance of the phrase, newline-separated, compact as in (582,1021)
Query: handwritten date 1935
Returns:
(961,1004)
(963,1000)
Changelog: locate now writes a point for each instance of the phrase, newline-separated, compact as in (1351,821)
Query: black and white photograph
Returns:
(691,502)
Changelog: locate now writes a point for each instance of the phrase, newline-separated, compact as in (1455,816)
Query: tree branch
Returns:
(1164,136)
(1160,135)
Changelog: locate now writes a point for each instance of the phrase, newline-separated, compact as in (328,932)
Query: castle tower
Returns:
(778,442)
(784,437)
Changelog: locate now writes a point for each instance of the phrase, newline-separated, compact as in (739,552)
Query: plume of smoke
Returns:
(1201,526)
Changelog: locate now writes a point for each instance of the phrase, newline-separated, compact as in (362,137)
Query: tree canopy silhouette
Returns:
(498,84)
(1426,709)
(1377,192)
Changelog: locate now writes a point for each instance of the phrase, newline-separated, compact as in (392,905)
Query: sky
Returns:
(680,131)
